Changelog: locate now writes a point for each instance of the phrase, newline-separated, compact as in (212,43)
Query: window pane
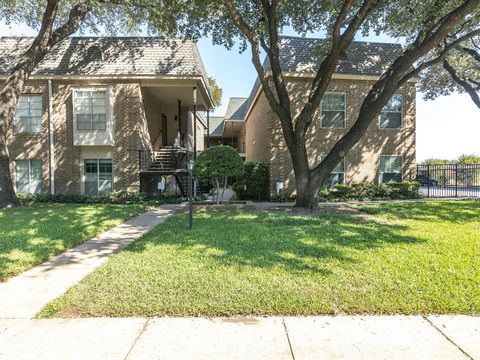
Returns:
(334,179)
(390,120)
(29,109)
(333,101)
(21,176)
(84,122)
(36,173)
(333,119)
(104,186)
(391,164)
(91,166)
(99,122)
(394,104)
(391,177)
(91,187)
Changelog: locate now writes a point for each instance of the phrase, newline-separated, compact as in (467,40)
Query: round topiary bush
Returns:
(218,163)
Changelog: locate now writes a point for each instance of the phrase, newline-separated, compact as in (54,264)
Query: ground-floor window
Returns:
(390,169)
(29,176)
(337,176)
(98,176)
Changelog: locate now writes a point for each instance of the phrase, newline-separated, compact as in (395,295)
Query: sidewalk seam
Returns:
(140,333)
(288,338)
(446,337)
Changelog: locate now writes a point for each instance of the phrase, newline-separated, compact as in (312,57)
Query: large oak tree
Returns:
(430,29)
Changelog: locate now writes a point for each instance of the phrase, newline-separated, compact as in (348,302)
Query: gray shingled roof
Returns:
(109,56)
(216,126)
(236,109)
(299,54)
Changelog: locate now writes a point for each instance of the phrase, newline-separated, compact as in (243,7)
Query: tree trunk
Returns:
(306,190)
(44,41)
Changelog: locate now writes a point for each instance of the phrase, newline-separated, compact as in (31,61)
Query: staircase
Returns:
(165,162)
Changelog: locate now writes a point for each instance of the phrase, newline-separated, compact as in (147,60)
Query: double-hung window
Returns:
(390,169)
(98,176)
(337,176)
(333,112)
(28,117)
(392,113)
(29,176)
(91,109)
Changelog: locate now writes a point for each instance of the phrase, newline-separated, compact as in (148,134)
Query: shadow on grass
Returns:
(294,244)
(452,211)
(31,235)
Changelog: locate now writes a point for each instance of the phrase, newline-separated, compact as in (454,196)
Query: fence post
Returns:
(456,180)
(428,180)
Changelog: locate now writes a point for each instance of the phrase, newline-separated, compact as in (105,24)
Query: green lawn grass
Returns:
(30,235)
(404,258)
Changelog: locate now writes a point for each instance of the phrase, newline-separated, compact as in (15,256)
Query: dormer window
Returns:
(94,53)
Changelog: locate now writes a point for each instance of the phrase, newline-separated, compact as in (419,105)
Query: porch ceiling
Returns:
(169,95)
(232,128)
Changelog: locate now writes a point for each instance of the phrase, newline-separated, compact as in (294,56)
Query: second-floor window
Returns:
(333,110)
(28,117)
(392,113)
(91,109)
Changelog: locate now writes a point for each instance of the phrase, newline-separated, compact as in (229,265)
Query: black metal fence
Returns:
(449,180)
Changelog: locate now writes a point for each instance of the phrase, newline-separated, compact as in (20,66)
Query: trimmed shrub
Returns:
(254,183)
(121,197)
(365,191)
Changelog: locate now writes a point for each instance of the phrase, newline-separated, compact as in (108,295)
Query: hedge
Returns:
(366,191)
(122,197)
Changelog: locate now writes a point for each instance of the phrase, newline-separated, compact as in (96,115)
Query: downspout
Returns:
(51,140)
(208,128)
(194,123)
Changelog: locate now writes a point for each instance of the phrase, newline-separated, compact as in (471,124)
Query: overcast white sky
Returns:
(446,127)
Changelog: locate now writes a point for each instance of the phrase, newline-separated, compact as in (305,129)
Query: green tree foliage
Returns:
(218,163)
(217,92)
(435,161)
(469,159)
(254,182)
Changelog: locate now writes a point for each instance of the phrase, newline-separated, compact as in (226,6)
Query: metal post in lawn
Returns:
(190,194)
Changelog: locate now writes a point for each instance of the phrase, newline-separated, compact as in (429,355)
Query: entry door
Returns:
(164,130)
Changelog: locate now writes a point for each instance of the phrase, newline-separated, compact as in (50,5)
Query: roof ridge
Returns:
(323,39)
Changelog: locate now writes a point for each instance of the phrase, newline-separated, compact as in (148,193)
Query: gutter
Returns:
(51,139)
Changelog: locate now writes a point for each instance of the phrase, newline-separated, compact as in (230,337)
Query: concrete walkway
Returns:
(24,295)
(276,338)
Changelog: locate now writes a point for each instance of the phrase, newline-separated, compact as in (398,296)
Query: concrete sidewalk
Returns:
(299,338)
(24,295)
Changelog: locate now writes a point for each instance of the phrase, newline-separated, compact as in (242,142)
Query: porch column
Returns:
(179,114)
(194,123)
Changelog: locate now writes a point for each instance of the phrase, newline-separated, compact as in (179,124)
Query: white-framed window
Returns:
(28,176)
(98,176)
(333,110)
(91,109)
(337,176)
(28,117)
(392,113)
(390,168)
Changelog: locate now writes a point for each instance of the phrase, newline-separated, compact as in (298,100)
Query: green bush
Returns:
(365,191)
(253,183)
(121,197)
(218,163)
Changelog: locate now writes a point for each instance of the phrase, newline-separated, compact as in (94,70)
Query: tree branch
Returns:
(464,84)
